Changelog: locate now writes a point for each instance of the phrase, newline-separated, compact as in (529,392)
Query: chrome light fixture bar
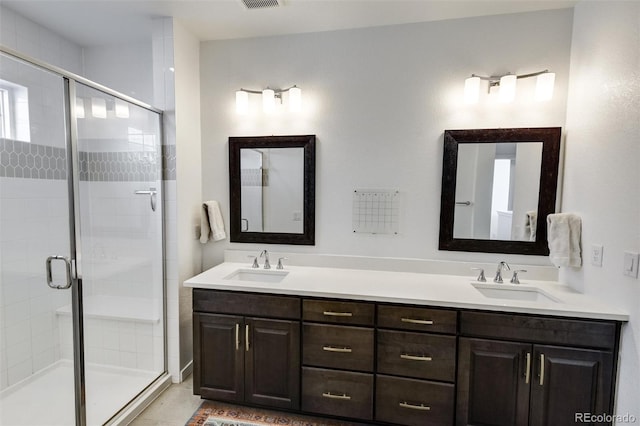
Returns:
(507,86)
(269,97)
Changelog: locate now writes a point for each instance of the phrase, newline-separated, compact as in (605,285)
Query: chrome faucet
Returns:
(501,266)
(265,253)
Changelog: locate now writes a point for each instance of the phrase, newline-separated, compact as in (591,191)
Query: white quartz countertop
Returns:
(453,291)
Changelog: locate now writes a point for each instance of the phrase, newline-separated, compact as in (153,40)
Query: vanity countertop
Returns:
(452,291)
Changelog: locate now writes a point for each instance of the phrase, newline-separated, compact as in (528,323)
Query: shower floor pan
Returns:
(47,397)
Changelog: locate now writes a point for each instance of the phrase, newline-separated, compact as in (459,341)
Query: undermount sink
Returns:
(257,275)
(514,292)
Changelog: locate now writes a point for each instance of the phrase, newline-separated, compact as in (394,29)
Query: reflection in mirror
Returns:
(510,173)
(272,189)
(498,186)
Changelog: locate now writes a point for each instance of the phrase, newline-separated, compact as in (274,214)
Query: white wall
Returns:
(188,176)
(378,100)
(126,68)
(602,178)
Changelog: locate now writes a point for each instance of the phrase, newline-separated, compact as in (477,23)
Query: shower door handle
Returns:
(67,265)
(152,196)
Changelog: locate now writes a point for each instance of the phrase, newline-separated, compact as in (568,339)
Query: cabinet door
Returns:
(272,362)
(492,382)
(218,359)
(567,382)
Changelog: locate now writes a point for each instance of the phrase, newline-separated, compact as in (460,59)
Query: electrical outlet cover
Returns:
(596,254)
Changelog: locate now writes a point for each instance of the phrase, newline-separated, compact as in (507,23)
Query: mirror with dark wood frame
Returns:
(272,189)
(472,163)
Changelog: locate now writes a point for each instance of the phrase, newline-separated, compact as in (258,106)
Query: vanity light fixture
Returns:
(506,85)
(269,97)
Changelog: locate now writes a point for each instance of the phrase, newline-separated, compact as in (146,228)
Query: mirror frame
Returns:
(308,143)
(550,138)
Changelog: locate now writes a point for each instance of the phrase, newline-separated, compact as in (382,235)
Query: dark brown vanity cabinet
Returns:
(338,358)
(383,363)
(242,355)
(525,370)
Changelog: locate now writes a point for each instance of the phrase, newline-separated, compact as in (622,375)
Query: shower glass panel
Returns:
(120,212)
(36,365)
(80,187)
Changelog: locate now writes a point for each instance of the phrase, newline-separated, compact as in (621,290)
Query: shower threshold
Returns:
(47,396)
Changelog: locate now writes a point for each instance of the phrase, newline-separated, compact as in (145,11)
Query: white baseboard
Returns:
(186,371)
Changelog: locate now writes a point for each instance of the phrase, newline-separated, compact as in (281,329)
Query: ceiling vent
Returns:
(262,4)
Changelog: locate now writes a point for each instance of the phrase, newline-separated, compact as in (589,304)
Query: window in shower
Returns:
(14,111)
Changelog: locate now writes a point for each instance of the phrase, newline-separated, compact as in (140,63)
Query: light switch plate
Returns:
(631,264)
(596,254)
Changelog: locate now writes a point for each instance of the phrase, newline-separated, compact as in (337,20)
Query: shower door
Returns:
(34,224)
(120,228)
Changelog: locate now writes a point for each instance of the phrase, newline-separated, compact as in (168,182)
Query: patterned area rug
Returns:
(213,413)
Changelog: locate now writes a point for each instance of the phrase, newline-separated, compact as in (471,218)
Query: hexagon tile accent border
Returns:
(32,161)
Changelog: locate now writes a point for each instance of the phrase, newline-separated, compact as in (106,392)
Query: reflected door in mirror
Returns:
(497,187)
(272,190)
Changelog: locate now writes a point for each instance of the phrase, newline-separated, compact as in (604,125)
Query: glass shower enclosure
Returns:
(82,322)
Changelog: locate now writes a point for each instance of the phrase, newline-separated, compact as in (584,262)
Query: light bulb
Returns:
(98,108)
(295,99)
(268,100)
(122,109)
(544,86)
(242,102)
(508,88)
(471,90)
(79,108)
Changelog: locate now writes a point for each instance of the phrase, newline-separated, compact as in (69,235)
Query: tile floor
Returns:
(173,408)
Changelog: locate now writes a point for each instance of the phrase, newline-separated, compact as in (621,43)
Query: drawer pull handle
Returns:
(337,314)
(527,373)
(541,369)
(335,349)
(335,396)
(417,321)
(416,357)
(420,407)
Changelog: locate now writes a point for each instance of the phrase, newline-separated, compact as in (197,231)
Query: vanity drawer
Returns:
(338,312)
(413,402)
(335,346)
(417,319)
(560,331)
(337,393)
(419,355)
(236,303)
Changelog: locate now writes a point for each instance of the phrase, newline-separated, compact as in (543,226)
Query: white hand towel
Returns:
(563,233)
(211,223)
